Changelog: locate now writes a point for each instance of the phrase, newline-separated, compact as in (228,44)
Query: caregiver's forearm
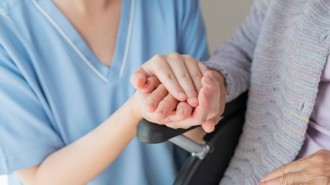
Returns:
(83,160)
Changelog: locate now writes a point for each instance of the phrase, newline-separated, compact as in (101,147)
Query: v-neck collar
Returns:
(54,14)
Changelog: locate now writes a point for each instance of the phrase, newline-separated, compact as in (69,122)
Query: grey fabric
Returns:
(278,53)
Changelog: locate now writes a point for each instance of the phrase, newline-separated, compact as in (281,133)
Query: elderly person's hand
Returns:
(312,170)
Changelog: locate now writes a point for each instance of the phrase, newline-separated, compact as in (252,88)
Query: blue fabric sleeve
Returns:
(192,39)
(26,134)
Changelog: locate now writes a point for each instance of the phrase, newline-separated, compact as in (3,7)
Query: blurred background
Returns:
(222,17)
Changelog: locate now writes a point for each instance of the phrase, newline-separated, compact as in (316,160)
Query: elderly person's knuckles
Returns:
(287,179)
(315,169)
(321,180)
(318,173)
(321,157)
(319,166)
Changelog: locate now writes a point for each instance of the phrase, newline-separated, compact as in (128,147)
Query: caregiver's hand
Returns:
(180,74)
(312,170)
(158,106)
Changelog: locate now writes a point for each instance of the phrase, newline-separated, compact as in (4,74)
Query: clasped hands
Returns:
(179,91)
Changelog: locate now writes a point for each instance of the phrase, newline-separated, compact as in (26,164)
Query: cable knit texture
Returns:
(278,53)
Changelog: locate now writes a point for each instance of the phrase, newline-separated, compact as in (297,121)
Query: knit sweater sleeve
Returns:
(234,58)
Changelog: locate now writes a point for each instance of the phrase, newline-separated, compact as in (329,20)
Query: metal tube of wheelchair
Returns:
(198,150)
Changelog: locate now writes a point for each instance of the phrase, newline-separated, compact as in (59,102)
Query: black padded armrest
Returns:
(149,132)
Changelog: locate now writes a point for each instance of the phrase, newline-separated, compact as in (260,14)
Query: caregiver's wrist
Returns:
(134,109)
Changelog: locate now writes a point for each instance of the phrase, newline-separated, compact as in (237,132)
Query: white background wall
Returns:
(221,19)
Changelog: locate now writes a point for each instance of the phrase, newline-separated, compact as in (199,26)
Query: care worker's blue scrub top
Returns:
(53,90)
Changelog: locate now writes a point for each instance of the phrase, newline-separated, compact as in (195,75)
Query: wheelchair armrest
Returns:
(149,132)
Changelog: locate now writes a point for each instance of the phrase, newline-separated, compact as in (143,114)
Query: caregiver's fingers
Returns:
(139,78)
(202,67)
(194,70)
(158,66)
(155,98)
(181,117)
(141,81)
(166,106)
(183,111)
(151,84)
(179,67)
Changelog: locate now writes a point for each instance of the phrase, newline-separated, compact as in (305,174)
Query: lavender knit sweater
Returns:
(278,53)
